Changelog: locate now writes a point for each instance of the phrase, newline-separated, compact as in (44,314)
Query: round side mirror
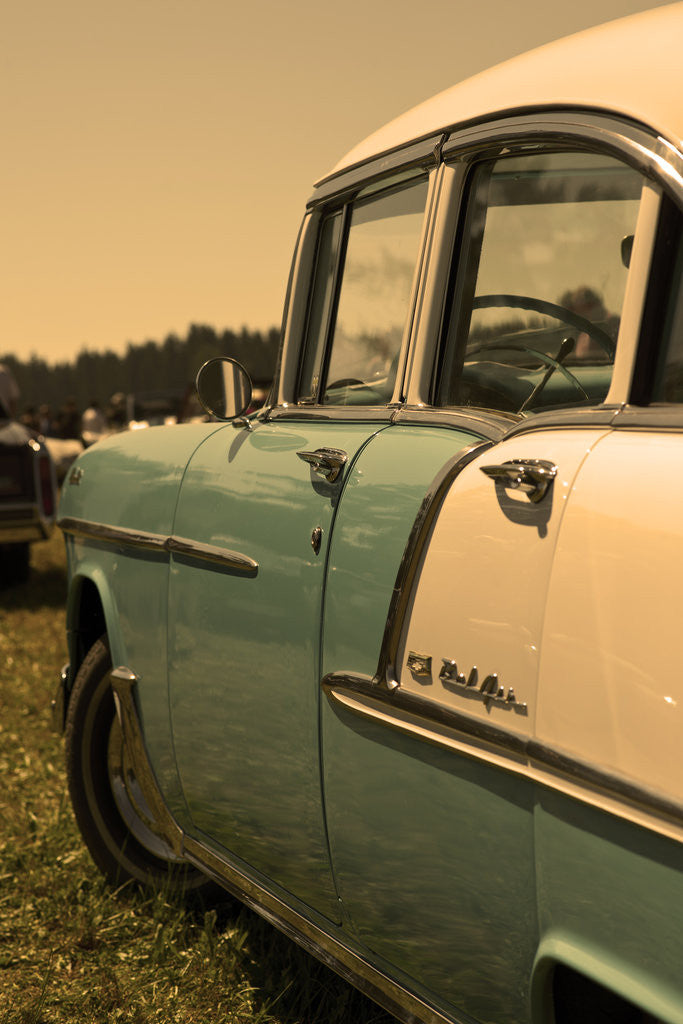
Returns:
(224,388)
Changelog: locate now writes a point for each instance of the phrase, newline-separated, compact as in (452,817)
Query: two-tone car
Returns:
(395,660)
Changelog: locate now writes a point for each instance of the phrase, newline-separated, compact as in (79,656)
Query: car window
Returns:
(668,386)
(360,297)
(537,302)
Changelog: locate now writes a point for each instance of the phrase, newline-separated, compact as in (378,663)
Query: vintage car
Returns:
(396,660)
(28,497)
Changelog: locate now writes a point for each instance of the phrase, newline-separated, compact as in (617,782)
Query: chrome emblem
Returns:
(75,476)
(420,665)
(490,691)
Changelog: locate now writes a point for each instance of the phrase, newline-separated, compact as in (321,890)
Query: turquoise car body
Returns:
(384,652)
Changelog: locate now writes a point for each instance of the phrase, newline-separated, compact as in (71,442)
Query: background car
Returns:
(28,498)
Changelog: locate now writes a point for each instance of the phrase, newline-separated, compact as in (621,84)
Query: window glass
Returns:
(536,313)
(381,254)
(669,381)
(321,303)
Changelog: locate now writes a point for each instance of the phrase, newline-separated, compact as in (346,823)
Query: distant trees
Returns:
(150,366)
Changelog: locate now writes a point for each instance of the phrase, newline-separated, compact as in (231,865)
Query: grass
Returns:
(71,948)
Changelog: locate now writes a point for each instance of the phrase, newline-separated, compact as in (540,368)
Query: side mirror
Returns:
(224,388)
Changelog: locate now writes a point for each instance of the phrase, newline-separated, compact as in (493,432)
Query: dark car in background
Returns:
(28,498)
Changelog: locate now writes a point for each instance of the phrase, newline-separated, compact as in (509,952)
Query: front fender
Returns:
(131,480)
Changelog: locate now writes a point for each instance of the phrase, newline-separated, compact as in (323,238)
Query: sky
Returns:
(158,155)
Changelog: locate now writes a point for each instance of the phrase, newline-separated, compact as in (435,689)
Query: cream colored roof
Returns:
(633,66)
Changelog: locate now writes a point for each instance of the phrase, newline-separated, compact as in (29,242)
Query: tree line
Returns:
(170,365)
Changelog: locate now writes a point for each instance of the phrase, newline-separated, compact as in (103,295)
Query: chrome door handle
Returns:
(329,462)
(531,476)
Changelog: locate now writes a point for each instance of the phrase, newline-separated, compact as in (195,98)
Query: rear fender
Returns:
(602,967)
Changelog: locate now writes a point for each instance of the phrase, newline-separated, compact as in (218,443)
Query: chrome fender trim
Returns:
(430,722)
(335,953)
(238,563)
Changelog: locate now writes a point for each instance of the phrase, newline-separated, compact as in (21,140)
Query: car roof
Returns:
(631,67)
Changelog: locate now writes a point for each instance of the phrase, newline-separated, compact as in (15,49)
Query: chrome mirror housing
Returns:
(224,388)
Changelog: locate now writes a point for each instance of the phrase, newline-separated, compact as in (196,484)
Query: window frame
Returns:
(447,156)
(466,263)
(366,192)
(661,167)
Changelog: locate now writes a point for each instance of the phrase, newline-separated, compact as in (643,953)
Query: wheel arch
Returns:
(90,613)
(605,976)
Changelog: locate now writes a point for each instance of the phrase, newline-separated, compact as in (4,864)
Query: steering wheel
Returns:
(552,364)
(548,309)
(345,382)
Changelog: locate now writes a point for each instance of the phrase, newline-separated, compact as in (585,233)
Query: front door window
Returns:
(547,246)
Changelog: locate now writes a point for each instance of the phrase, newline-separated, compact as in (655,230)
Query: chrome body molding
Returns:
(233,560)
(429,721)
(331,949)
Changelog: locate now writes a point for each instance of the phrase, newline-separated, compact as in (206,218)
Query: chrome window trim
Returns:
(490,424)
(578,418)
(238,563)
(355,413)
(651,155)
(654,156)
(423,156)
(292,350)
(315,936)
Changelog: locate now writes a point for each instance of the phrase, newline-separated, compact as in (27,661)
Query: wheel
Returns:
(109,807)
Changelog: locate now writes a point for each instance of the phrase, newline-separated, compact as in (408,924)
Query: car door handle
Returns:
(329,462)
(531,476)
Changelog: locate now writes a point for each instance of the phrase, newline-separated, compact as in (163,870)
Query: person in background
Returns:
(69,421)
(9,393)
(44,420)
(29,418)
(93,423)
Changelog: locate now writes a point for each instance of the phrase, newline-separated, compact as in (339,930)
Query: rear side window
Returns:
(536,305)
(360,300)
(668,384)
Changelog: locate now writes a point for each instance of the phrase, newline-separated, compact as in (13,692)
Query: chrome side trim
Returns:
(233,560)
(417,716)
(112,534)
(344,684)
(331,949)
(208,553)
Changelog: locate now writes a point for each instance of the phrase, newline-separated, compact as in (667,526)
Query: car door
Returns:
(430,799)
(611,697)
(244,629)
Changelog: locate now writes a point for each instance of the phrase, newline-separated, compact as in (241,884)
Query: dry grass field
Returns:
(72,949)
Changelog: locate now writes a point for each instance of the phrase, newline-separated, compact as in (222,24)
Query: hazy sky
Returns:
(158,154)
